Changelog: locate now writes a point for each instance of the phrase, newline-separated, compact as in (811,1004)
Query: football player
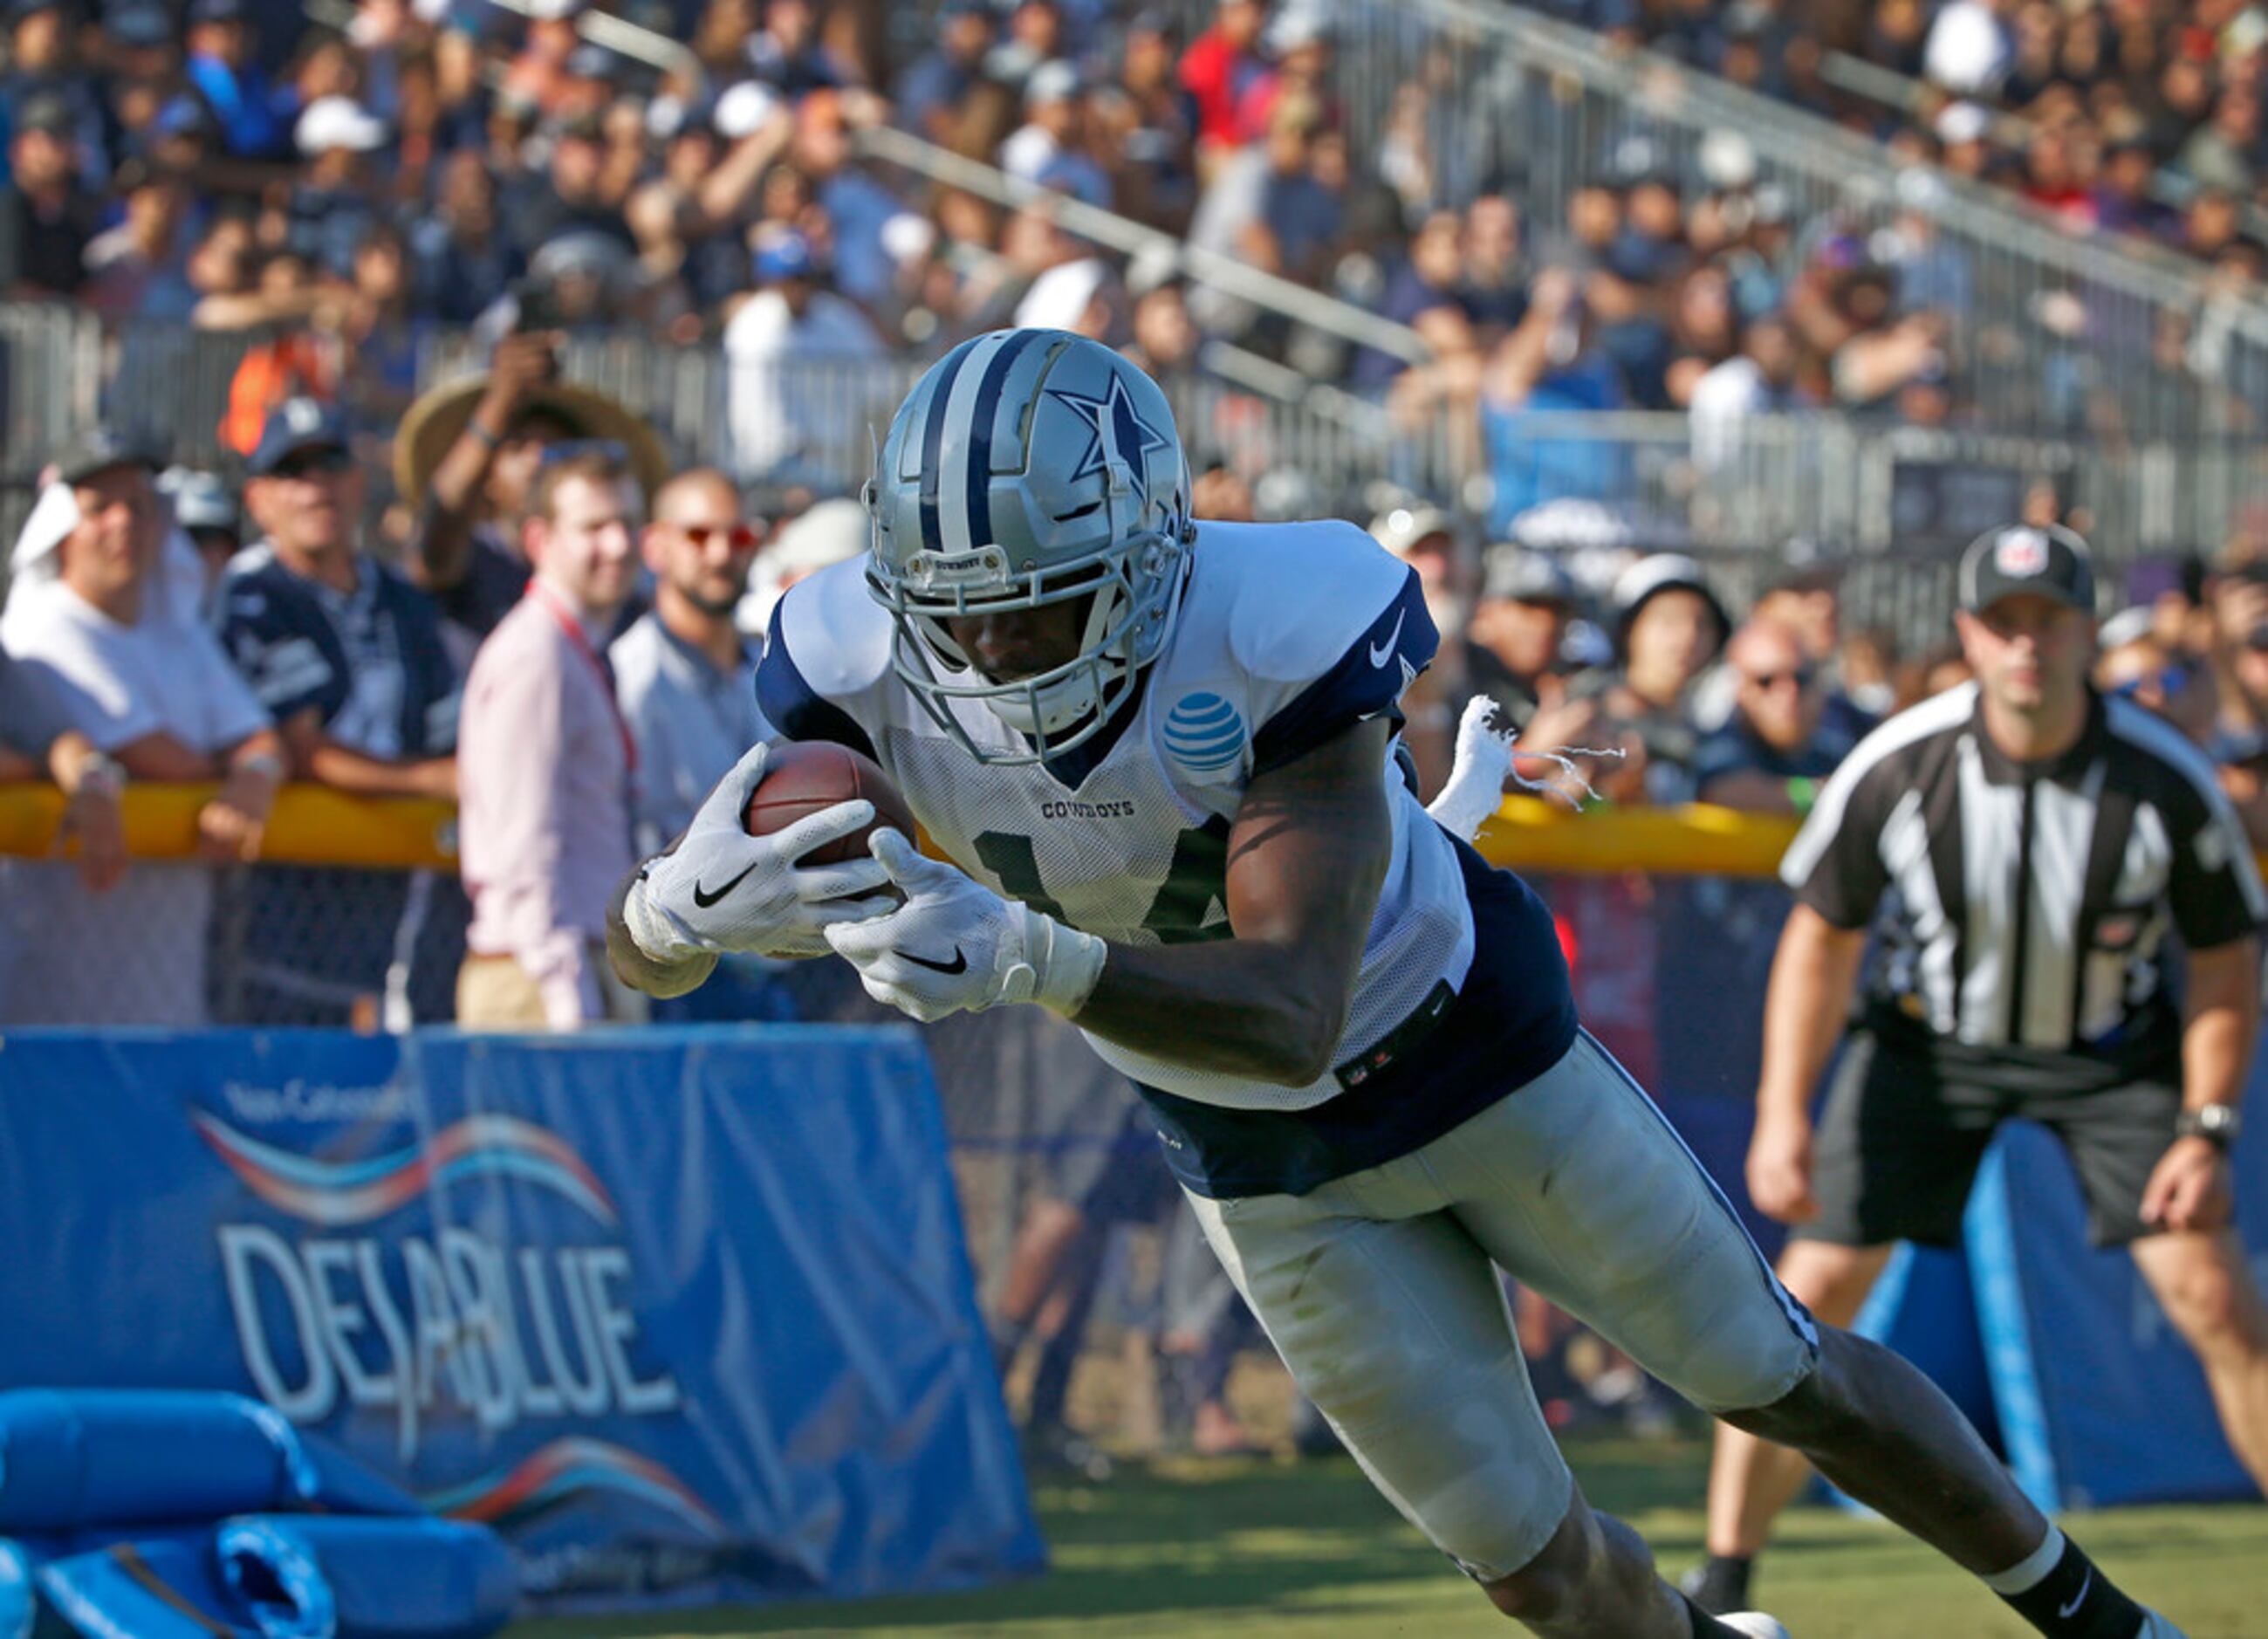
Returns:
(1159,758)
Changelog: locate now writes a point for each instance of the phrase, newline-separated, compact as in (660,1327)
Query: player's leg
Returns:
(1750,1481)
(1580,1184)
(1392,1320)
(1897,1152)
(2206,1290)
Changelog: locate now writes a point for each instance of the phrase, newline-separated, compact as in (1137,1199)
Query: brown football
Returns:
(806,777)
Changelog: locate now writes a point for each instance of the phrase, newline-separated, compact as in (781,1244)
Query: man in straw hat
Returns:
(466,457)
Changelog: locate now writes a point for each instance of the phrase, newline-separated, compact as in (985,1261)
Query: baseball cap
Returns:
(184,117)
(1650,577)
(338,123)
(99,450)
(784,255)
(215,10)
(2128,625)
(138,25)
(48,111)
(1958,123)
(201,501)
(1051,82)
(1514,575)
(293,425)
(1400,529)
(2050,562)
(744,108)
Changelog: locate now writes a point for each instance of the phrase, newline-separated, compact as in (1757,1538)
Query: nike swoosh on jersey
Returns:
(1381,652)
(959,965)
(703,898)
(2065,1613)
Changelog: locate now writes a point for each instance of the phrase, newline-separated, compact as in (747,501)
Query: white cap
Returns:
(338,123)
(1727,159)
(828,533)
(1059,298)
(1051,82)
(1404,527)
(823,534)
(2128,625)
(744,109)
(1958,123)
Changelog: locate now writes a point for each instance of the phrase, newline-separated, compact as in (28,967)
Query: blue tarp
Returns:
(685,1313)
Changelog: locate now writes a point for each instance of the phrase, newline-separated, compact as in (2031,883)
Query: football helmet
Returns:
(1028,467)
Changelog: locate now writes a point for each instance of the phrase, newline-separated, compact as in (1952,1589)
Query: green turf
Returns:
(1310,1552)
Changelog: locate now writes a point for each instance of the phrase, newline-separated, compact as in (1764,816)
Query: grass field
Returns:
(1310,1552)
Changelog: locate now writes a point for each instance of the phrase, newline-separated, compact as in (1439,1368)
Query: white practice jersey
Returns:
(1287,634)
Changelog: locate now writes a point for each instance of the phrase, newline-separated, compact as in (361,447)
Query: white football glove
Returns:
(955,946)
(1474,788)
(721,890)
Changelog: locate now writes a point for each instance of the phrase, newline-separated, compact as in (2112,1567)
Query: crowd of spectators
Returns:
(342,198)
(2137,118)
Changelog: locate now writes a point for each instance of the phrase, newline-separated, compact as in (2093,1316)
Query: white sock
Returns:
(2031,1570)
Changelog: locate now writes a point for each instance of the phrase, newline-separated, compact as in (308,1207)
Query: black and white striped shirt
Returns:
(2029,903)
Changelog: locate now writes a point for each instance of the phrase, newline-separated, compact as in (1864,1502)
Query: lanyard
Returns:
(581,641)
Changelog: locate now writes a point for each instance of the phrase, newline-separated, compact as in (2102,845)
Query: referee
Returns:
(2038,844)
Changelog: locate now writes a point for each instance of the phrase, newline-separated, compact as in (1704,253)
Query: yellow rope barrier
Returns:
(312,825)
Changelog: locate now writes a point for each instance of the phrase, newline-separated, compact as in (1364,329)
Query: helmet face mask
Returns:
(1058,476)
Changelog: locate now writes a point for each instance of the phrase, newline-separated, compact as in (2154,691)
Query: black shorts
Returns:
(1905,1130)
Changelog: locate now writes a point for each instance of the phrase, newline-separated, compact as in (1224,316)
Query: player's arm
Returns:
(1306,856)
(718,889)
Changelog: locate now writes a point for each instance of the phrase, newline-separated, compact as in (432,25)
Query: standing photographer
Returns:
(466,458)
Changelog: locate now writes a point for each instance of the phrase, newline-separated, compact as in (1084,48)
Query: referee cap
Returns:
(2049,561)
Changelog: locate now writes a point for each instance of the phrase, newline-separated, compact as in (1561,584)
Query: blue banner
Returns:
(685,1313)
(2101,1400)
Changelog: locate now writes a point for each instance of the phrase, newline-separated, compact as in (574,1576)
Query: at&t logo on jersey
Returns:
(1204,734)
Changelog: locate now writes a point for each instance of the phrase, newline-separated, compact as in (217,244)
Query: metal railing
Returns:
(1882,492)
(2057,332)
(1131,238)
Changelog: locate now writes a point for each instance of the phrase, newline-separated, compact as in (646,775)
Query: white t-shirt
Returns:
(762,397)
(135,955)
(1727,393)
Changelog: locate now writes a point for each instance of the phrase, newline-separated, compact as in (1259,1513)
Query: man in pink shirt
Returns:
(544,764)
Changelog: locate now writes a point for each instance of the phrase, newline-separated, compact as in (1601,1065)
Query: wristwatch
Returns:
(2217,1123)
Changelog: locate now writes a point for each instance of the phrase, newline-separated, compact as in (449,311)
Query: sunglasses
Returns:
(1802,678)
(740,537)
(307,463)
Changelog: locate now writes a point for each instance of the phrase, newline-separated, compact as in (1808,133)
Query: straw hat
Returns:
(439,417)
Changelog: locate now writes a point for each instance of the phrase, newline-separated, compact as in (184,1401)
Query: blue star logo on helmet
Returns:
(1116,430)
(1204,734)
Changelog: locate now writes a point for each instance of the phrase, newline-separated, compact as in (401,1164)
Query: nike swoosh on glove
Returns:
(954,946)
(720,889)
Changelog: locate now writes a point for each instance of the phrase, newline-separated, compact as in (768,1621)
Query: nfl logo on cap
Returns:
(2021,553)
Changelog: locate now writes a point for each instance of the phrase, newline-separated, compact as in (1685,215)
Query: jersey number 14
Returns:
(1196,879)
